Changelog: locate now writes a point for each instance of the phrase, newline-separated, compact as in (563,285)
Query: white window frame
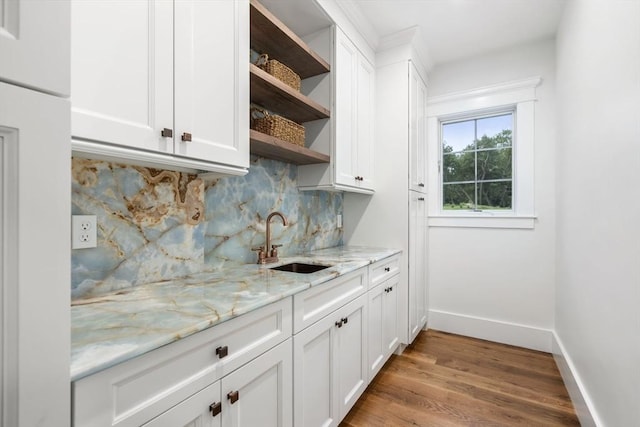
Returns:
(518,96)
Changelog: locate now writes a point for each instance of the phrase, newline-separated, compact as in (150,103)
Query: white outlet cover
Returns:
(84,231)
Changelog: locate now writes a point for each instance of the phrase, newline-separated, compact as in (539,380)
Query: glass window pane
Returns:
(458,196)
(458,136)
(494,195)
(492,126)
(494,164)
(459,167)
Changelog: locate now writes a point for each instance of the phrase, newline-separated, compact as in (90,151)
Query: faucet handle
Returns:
(261,254)
(274,250)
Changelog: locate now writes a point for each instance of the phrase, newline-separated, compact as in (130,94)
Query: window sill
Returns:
(477,221)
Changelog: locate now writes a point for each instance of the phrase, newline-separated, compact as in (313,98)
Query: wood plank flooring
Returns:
(450,380)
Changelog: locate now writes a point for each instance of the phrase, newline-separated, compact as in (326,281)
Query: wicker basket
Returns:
(277,126)
(279,71)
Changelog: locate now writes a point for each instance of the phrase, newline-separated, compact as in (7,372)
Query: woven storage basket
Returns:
(279,71)
(277,126)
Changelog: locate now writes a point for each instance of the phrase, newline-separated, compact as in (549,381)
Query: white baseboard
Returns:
(580,399)
(492,330)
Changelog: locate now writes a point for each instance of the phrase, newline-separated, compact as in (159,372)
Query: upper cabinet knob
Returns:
(186,136)
(166,133)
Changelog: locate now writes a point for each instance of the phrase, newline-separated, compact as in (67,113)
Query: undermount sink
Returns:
(299,267)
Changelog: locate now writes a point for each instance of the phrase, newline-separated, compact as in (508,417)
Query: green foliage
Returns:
(483,170)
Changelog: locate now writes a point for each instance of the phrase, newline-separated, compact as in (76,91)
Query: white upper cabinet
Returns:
(34,42)
(348,136)
(353,115)
(417,131)
(166,77)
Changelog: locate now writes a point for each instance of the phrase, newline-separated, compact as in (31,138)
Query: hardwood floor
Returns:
(450,380)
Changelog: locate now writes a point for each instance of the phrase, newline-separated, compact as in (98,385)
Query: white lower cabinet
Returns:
(258,393)
(330,365)
(383,323)
(250,371)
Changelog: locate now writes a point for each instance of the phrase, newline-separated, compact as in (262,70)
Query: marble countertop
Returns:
(116,327)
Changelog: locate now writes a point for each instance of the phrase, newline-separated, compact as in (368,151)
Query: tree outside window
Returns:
(477,163)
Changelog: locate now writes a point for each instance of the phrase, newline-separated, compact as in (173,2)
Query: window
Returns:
(481,156)
(477,163)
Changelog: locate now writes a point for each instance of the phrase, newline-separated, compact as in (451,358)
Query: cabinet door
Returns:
(195,411)
(122,72)
(212,80)
(34,183)
(352,354)
(260,392)
(365,107)
(417,131)
(417,263)
(390,316)
(376,329)
(34,44)
(315,371)
(345,114)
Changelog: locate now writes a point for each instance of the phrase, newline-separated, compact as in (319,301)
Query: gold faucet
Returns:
(270,255)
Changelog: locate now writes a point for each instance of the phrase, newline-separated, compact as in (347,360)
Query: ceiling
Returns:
(456,29)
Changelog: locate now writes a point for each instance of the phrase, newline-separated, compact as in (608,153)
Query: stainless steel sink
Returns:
(299,267)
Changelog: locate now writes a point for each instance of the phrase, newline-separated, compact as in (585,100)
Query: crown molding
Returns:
(354,14)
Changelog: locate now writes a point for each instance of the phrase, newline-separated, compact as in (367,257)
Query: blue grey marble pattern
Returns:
(115,327)
(236,210)
(156,225)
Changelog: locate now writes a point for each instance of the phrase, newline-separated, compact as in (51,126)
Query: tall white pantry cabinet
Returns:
(397,211)
(35,152)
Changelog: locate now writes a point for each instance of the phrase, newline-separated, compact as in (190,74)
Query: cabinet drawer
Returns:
(382,270)
(135,391)
(315,303)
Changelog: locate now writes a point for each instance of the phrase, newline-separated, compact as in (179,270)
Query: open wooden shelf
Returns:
(277,149)
(274,95)
(269,35)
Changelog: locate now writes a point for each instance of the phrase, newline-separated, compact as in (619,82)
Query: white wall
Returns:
(598,206)
(498,284)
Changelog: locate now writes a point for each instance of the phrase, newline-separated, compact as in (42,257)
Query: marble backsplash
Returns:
(158,225)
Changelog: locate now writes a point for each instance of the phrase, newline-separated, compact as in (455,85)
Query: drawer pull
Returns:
(166,133)
(215,408)
(345,320)
(233,396)
(222,351)
(186,137)
(390,288)
(386,290)
(387,269)
(339,324)
(421,184)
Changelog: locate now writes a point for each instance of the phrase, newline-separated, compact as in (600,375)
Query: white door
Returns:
(365,108)
(34,44)
(417,131)
(417,263)
(352,353)
(390,315)
(200,410)
(314,376)
(422,289)
(345,110)
(122,72)
(376,329)
(35,165)
(212,80)
(261,392)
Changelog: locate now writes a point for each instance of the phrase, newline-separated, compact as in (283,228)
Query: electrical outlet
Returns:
(84,231)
